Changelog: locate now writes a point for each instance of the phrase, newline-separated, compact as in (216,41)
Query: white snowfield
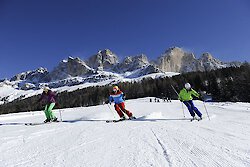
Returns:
(160,137)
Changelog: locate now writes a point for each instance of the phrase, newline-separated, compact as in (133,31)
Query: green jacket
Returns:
(186,95)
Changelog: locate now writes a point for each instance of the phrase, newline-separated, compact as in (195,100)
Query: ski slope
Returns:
(160,137)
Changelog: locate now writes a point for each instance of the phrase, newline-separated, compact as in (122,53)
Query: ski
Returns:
(39,123)
(197,119)
(119,120)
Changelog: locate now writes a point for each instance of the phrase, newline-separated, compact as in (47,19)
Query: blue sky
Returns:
(35,33)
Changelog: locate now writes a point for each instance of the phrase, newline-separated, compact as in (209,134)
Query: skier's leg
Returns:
(195,109)
(118,110)
(51,114)
(46,112)
(122,106)
(189,108)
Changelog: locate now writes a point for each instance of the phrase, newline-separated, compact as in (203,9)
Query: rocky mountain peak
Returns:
(104,59)
(70,68)
(171,60)
(34,75)
(174,51)
(142,58)
(132,63)
(207,57)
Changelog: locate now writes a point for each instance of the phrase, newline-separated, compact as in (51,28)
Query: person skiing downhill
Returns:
(185,96)
(118,97)
(49,97)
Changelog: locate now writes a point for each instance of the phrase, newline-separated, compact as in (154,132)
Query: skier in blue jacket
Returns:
(118,97)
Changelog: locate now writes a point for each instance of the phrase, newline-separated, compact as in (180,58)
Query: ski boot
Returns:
(46,120)
(122,118)
(54,120)
(200,118)
(194,118)
(132,117)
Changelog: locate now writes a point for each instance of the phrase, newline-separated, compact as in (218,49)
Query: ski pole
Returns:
(111,111)
(60,115)
(181,102)
(183,109)
(206,110)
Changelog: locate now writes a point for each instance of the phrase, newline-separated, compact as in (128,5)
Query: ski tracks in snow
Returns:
(188,148)
(165,152)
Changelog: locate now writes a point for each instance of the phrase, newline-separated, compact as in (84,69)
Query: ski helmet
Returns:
(46,89)
(187,86)
(115,88)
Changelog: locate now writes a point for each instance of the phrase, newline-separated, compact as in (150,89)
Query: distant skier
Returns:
(49,97)
(185,96)
(118,97)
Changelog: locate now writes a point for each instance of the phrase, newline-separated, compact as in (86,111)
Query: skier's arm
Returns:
(195,93)
(110,99)
(123,96)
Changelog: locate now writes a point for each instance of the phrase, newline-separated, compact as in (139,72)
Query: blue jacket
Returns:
(117,97)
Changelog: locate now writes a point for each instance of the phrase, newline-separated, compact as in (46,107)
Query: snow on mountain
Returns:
(28,80)
(9,91)
(160,136)
(33,76)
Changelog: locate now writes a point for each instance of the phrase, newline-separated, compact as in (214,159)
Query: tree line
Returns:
(227,84)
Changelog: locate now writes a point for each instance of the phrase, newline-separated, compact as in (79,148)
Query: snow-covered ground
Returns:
(160,137)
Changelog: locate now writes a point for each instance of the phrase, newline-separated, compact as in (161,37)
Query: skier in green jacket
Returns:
(185,96)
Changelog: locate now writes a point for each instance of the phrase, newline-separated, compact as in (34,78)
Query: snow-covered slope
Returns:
(160,137)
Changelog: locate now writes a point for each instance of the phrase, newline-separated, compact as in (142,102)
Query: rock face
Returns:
(171,60)
(208,62)
(132,63)
(103,60)
(70,68)
(177,60)
(34,76)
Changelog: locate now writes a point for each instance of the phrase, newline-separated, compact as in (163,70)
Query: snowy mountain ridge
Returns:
(105,65)
(104,68)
